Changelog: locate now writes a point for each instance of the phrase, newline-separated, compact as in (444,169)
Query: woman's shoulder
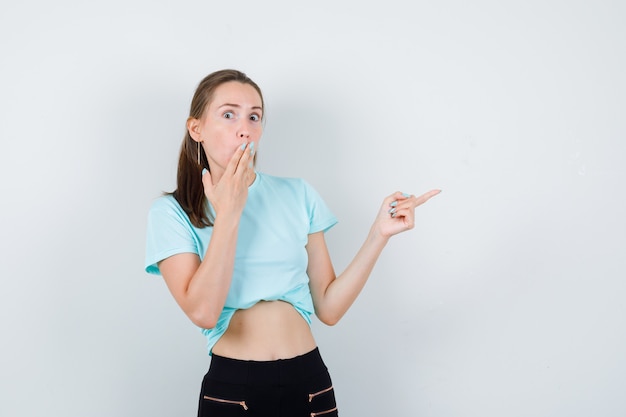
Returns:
(165,210)
(164,200)
(166,203)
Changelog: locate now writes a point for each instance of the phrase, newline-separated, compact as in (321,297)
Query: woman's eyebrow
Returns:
(238,106)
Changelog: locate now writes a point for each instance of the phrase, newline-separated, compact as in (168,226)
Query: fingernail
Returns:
(204,171)
(406,195)
(243,146)
(251,146)
(393,203)
(391,210)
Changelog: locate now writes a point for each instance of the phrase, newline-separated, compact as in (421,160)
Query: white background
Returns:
(507,299)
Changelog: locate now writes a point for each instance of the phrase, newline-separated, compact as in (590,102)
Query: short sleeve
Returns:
(168,233)
(320,217)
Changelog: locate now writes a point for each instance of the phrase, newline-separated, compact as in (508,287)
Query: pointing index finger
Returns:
(425,197)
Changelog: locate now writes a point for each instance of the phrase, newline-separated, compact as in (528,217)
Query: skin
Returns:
(229,131)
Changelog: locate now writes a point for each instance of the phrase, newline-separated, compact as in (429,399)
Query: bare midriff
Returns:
(267,331)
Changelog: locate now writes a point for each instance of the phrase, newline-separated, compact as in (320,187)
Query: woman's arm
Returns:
(200,288)
(332,296)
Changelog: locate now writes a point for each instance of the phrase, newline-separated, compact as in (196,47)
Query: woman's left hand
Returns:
(397,214)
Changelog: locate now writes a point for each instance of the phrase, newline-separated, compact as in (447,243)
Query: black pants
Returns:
(296,387)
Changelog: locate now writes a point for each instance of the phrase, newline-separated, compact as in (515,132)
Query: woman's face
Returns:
(232,118)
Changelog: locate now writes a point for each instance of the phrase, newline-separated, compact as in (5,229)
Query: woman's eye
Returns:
(255,117)
(229,115)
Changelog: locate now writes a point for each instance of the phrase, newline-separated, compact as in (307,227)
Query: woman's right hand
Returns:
(229,193)
(201,287)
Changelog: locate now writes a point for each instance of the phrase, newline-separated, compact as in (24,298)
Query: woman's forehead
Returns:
(236,93)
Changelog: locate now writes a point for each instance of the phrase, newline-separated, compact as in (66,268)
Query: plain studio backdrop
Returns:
(507,299)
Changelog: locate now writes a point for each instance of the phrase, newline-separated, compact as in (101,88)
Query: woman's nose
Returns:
(243,132)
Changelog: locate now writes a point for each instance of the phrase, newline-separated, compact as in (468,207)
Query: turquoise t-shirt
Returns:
(270,259)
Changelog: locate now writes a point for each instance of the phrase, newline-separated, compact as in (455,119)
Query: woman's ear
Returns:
(193,126)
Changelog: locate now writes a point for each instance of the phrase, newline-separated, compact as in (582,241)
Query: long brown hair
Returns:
(190,191)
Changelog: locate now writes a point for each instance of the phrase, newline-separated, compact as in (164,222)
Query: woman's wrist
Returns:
(227,219)
(376,236)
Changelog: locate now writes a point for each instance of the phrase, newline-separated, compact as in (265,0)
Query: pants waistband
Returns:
(278,372)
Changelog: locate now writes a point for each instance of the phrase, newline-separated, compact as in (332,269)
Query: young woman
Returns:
(243,254)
